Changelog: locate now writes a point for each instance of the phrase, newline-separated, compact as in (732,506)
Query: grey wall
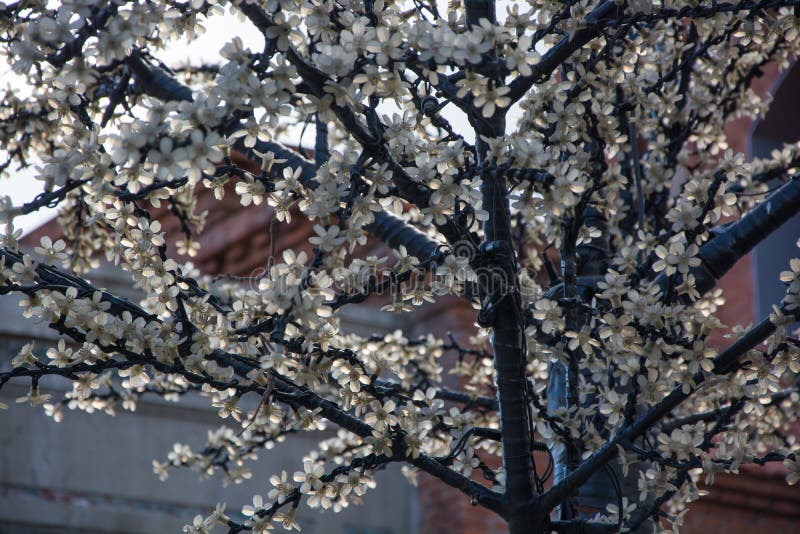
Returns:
(93,473)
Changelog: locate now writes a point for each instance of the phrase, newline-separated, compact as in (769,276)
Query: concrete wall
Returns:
(93,473)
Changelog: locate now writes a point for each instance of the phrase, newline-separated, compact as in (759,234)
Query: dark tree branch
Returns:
(727,362)
(285,389)
(388,228)
(560,52)
(374,146)
(730,243)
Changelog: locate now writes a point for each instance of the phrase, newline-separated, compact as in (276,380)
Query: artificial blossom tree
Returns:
(559,165)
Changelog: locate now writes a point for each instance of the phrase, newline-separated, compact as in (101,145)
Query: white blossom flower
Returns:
(310,476)
(677,258)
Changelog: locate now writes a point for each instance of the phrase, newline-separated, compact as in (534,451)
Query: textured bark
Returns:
(508,344)
(504,304)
